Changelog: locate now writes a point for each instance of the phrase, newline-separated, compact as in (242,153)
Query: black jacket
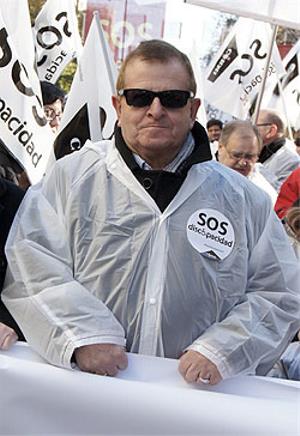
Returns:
(10,198)
(163,185)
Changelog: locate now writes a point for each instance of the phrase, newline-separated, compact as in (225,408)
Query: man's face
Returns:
(267,130)
(53,114)
(155,132)
(240,153)
(214,133)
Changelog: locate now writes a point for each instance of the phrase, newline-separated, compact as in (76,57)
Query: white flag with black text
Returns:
(287,99)
(24,129)
(233,78)
(89,113)
(56,38)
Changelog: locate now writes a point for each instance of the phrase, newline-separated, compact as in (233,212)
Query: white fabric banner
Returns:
(89,113)
(233,78)
(56,38)
(148,398)
(287,100)
(16,16)
(285,13)
(23,126)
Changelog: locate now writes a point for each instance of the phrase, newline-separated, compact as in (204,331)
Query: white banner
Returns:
(234,76)
(89,113)
(285,13)
(56,37)
(287,99)
(16,16)
(23,126)
(148,398)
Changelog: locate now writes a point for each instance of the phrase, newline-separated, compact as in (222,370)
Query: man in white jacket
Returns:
(145,244)
(278,155)
(239,147)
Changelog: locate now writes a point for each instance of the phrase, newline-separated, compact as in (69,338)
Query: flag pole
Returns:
(263,84)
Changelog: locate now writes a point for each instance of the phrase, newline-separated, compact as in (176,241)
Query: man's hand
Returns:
(101,359)
(196,368)
(7,337)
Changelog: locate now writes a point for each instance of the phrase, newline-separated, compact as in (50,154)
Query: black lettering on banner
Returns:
(16,76)
(240,72)
(292,71)
(6,50)
(42,61)
(66,25)
(40,120)
(226,59)
(55,31)
(257,43)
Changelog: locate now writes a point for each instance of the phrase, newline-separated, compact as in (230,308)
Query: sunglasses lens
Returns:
(138,97)
(173,99)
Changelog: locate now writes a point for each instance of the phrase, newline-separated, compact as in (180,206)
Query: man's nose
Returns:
(156,108)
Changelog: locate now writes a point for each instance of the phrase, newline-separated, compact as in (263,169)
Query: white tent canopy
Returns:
(284,13)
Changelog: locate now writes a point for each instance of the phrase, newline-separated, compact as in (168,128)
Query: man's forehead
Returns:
(243,139)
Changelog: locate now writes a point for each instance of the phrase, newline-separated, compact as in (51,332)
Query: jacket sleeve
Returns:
(56,313)
(257,330)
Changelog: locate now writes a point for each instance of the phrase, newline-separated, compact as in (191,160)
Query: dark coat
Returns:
(10,198)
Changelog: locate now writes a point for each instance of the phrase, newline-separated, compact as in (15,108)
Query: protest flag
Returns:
(89,113)
(23,127)
(56,37)
(232,79)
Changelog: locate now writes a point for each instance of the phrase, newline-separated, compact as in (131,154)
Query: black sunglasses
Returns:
(172,99)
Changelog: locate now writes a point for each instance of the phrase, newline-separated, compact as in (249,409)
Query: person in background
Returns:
(239,147)
(297,141)
(289,194)
(10,198)
(53,101)
(143,243)
(278,154)
(214,129)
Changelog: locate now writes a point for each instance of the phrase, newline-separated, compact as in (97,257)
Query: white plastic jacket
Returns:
(93,260)
(279,166)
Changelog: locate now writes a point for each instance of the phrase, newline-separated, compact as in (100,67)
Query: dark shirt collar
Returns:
(270,149)
(201,152)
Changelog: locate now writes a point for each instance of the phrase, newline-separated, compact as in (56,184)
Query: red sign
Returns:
(126,23)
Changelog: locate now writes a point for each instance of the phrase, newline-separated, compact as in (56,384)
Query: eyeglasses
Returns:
(263,124)
(172,99)
(238,155)
(51,114)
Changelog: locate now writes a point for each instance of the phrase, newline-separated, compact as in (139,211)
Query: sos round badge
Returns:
(210,233)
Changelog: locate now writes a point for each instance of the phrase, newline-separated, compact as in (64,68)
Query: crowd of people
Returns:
(168,239)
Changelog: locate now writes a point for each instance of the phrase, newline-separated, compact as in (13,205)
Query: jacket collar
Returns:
(270,149)
(201,152)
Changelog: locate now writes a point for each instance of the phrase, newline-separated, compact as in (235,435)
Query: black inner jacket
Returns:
(164,185)
(10,198)
(270,149)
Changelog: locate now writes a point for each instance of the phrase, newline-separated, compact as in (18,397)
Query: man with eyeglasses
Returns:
(278,154)
(144,244)
(53,101)
(239,148)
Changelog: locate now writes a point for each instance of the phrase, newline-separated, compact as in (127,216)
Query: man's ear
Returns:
(117,105)
(272,132)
